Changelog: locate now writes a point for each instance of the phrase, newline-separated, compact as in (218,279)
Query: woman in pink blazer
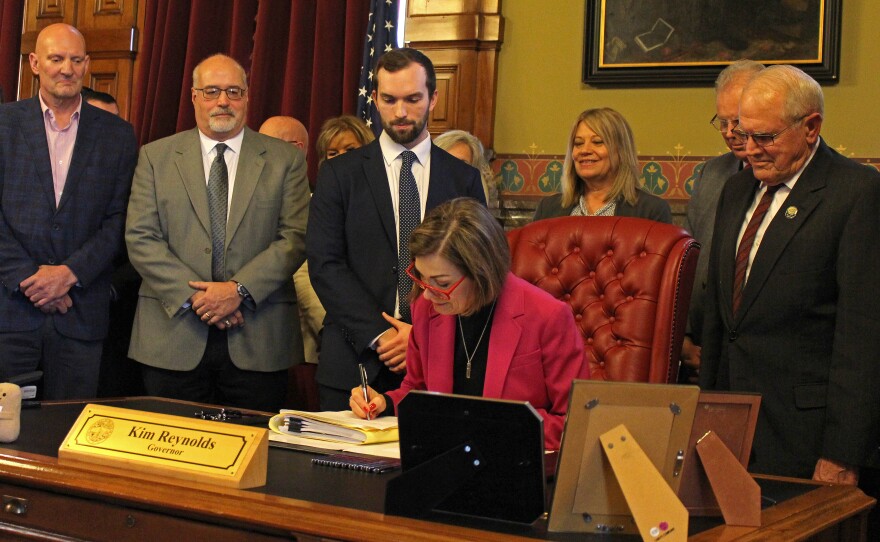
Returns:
(478,329)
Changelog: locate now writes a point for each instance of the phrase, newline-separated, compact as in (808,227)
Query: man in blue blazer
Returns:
(352,236)
(803,331)
(65,175)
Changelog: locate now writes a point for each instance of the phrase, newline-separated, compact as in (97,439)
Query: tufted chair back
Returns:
(628,281)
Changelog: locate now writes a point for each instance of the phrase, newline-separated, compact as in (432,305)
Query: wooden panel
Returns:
(111,41)
(444,7)
(35,510)
(106,14)
(444,115)
(113,76)
(462,38)
(50,9)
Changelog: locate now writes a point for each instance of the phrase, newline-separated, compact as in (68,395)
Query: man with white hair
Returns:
(700,219)
(789,311)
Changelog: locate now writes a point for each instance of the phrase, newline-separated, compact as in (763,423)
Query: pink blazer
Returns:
(535,351)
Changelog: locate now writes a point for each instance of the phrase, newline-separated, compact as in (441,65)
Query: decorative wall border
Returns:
(533,176)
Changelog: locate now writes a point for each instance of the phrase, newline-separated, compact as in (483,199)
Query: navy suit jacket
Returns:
(807,333)
(84,232)
(351,246)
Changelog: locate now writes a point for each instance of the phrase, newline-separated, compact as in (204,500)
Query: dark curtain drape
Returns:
(11,16)
(302,58)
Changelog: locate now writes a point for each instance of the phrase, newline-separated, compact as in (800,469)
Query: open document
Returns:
(339,431)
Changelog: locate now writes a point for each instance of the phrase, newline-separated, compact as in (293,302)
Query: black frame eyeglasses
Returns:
(723,124)
(213,93)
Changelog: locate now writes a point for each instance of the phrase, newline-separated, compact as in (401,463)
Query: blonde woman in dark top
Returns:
(600,176)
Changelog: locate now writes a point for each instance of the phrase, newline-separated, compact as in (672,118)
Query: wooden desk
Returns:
(300,502)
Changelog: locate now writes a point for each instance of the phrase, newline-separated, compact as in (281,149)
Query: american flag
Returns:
(380,38)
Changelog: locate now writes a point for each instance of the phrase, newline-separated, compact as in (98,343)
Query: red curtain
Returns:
(11,16)
(302,58)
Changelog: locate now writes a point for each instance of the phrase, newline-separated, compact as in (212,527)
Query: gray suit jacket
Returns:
(168,234)
(700,222)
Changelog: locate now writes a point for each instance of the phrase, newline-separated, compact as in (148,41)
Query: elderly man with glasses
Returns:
(216,227)
(700,219)
(788,311)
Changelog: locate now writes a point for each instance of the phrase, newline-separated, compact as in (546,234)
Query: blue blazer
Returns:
(84,232)
(351,246)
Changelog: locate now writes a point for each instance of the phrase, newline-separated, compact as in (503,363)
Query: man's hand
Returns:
(49,283)
(214,301)
(62,304)
(236,319)
(835,472)
(691,357)
(393,343)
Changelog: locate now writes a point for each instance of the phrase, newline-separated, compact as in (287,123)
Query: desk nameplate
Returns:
(174,446)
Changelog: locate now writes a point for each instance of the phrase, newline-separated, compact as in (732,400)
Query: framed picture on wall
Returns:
(688,42)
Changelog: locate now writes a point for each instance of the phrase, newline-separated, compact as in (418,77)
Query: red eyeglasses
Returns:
(441,293)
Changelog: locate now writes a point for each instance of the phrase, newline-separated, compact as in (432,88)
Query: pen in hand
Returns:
(363,371)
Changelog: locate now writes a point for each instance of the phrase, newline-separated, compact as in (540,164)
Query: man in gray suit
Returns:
(216,228)
(700,219)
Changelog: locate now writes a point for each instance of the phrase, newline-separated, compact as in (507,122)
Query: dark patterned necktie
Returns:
(409,216)
(745,245)
(218,194)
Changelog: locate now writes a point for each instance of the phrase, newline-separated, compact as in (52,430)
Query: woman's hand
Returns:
(360,407)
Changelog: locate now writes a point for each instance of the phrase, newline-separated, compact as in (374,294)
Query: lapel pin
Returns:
(791,212)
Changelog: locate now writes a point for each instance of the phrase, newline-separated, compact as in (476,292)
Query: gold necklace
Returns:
(470,356)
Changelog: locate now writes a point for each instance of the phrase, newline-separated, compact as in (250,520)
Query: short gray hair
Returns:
(736,70)
(449,139)
(801,93)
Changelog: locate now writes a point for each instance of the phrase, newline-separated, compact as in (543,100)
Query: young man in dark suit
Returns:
(354,231)
(789,311)
(65,176)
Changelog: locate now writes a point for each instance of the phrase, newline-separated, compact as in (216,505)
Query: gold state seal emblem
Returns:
(100,430)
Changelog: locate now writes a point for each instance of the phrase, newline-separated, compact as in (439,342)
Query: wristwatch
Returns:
(242,291)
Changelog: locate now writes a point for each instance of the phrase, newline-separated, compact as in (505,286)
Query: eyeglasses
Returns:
(213,93)
(763,140)
(722,125)
(442,293)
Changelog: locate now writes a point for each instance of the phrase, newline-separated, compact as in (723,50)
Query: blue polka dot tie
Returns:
(218,194)
(409,216)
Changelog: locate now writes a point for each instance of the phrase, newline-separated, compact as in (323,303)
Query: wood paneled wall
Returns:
(462,38)
(110,30)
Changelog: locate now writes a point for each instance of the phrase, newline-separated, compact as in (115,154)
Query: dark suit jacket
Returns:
(700,222)
(84,232)
(351,245)
(647,206)
(808,332)
(535,351)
